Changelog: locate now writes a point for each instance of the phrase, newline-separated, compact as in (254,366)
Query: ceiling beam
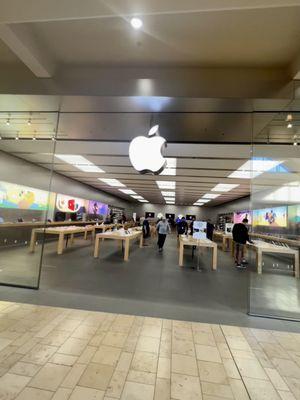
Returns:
(21,40)
(62,10)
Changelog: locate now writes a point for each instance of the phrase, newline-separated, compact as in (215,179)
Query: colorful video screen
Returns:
(294,217)
(97,208)
(24,197)
(239,216)
(275,216)
(70,204)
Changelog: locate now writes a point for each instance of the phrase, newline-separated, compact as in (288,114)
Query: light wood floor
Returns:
(59,354)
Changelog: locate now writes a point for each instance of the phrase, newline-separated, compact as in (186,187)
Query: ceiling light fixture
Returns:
(224,187)
(166,184)
(112,182)
(53,139)
(210,196)
(127,191)
(202,201)
(8,122)
(289,125)
(143,201)
(17,137)
(29,122)
(136,23)
(198,204)
(289,118)
(138,197)
(253,168)
(79,162)
(168,194)
(170,168)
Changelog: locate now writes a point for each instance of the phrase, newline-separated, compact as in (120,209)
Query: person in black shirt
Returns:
(209,230)
(182,227)
(240,237)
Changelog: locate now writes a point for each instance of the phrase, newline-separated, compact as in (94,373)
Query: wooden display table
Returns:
(106,227)
(118,235)
(61,232)
(189,241)
(264,247)
(226,239)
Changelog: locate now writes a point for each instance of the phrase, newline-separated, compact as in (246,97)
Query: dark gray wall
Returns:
(19,171)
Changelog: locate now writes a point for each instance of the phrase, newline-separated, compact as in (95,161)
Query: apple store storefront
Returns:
(120,211)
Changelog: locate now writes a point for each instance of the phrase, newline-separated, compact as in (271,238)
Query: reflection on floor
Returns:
(149,284)
(64,354)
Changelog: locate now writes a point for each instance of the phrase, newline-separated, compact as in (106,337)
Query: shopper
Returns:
(182,227)
(240,237)
(209,230)
(146,228)
(163,228)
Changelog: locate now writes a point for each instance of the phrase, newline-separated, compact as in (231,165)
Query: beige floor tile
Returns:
(151,330)
(34,394)
(218,334)
(4,343)
(260,389)
(87,354)
(56,338)
(28,346)
(130,344)
(141,377)
(287,368)
(96,376)
(212,372)
(249,355)
(263,359)
(84,332)
(149,344)
(238,343)
(40,354)
(251,368)
(207,353)
(224,350)
(184,365)
(238,389)
(286,395)
(124,361)
(73,346)
(116,384)
(164,368)
(63,359)
(231,369)
(162,389)
(276,379)
(185,387)
(68,325)
(50,377)
(185,347)
(107,355)
(73,376)
(116,339)
(201,327)
(182,334)
(294,385)
(62,394)
(205,338)
(153,321)
(26,369)
(83,393)
(143,361)
(231,331)
(97,339)
(137,391)
(262,335)
(11,385)
(214,389)
(165,348)
(274,351)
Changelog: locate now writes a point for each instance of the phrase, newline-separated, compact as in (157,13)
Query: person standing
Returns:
(163,228)
(209,230)
(182,227)
(240,237)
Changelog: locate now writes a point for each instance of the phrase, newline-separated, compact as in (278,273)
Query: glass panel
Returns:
(275,199)
(26,152)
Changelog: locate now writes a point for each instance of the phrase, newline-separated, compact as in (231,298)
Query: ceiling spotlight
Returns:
(8,122)
(295,144)
(136,23)
(53,139)
(289,118)
(34,138)
(29,122)
(289,125)
(17,137)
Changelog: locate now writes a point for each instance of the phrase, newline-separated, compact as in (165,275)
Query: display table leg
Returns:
(181,249)
(72,239)
(32,241)
(141,241)
(259,261)
(214,257)
(97,247)
(85,234)
(60,244)
(297,272)
(126,253)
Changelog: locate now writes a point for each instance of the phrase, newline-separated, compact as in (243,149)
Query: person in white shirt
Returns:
(163,228)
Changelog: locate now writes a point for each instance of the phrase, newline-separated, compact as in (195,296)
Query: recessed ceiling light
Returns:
(29,121)
(170,202)
(170,168)
(8,122)
(170,194)
(127,191)
(169,199)
(202,201)
(112,182)
(224,187)
(143,201)
(89,168)
(253,168)
(137,197)
(210,196)
(166,184)
(289,125)
(198,204)
(136,23)
(79,162)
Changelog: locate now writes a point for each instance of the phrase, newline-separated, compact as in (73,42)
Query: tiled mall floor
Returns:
(59,354)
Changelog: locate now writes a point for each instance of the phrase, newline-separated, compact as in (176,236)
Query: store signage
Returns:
(145,153)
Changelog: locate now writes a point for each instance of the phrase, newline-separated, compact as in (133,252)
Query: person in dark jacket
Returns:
(209,230)
(146,228)
(182,227)
(240,237)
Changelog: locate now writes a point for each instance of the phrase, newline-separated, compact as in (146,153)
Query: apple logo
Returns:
(145,152)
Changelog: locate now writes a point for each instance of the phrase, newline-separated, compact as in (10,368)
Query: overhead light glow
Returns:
(202,201)
(112,182)
(224,187)
(136,23)
(137,197)
(210,196)
(89,168)
(170,168)
(289,125)
(79,162)
(168,194)
(253,168)
(285,194)
(8,122)
(198,204)
(169,199)
(127,191)
(166,184)
(143,201)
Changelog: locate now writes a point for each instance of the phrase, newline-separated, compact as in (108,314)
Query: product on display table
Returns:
(123,235)
(61,232)
(264,247)
(198,243)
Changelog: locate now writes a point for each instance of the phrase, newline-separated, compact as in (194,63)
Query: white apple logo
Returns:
(145,152)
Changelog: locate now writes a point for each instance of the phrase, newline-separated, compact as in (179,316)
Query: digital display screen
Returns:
(70,204)
(190,217)
(24,197)
(273,216)
(149,214)
(170,216)
(240,215)
(294,216)
(97,208)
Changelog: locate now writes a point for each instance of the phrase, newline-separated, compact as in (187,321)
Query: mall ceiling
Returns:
(216,77)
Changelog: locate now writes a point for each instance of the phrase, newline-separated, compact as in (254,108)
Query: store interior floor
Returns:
(149,284)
